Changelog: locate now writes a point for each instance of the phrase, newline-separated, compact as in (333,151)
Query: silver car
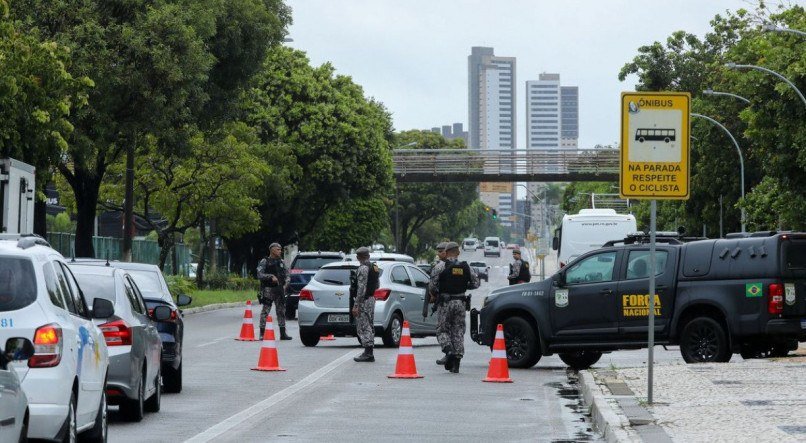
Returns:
(13,402)
(131,336)
(324,303)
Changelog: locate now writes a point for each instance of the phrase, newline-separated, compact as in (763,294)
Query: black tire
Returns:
(134,409)
(172,380)
(391,336)
(523,347)
(641,139)
(308,338)
(71,435)
(580,360)
(99,431)
(780,350)
(154,402)
(704,340)
(24,429)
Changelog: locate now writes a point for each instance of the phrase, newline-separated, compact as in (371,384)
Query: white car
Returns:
(13,402)
(492,246)
(65,378)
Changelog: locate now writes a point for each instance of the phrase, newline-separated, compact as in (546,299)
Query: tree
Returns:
(156,66)
(358,223)
(328,145)
(37,95)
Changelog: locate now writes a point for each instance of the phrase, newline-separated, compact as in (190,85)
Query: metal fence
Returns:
(143,251)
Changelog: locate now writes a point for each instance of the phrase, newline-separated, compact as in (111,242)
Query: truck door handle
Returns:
(606,292)
(660,288)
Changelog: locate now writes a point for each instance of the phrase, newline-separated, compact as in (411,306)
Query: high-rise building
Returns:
(569,117)
(492,113)
(452,132)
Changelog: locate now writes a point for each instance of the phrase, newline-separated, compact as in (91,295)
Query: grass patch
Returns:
(209,297)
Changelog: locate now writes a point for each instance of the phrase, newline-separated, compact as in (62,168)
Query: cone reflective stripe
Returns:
(499,368)
(405,368)
(268,359)
(327,337)
(248,325)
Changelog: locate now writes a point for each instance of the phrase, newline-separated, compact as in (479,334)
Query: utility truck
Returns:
(16,197)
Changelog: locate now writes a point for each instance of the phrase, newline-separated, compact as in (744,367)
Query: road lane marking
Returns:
(226,425)
(211,342)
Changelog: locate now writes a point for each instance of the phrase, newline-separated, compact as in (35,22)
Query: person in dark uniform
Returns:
(273,276)
(432,298)
(450,280)
(518,270)
(366,281)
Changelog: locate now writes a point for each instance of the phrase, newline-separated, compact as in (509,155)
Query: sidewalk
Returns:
(745,400)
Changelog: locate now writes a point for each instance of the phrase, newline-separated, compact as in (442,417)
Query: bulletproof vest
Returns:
(373,280)
(276,267)
(455,278)
(524,275)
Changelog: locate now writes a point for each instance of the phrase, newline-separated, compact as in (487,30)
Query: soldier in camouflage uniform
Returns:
(518,270)
(367,281)
(432,298)
(451,279)
(273,276)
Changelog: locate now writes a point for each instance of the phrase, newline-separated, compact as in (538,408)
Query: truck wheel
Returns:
(580,360)
(703,341)
(523,349)
(308,338)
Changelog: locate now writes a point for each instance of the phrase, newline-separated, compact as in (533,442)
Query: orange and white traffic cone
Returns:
(328,337)
(405,368)
(499,369)
(248,326)
(268,360)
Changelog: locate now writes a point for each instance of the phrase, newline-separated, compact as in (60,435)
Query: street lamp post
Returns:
(769,27)
(397,205)
(726,94)
(741,159)
(768,71)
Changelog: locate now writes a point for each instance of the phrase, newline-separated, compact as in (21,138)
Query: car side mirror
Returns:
(102,308)
(558,279)
(161,313)
(555,243)
(183,300)
(18,348)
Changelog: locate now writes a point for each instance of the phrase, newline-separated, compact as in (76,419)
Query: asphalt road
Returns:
(324,395)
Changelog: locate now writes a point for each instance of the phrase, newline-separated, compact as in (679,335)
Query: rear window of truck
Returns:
(795,255)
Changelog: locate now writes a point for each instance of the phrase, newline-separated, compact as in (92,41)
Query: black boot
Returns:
(455,367)
(441,361)
(283,335)
(262,333)
(366,356)
(449,361)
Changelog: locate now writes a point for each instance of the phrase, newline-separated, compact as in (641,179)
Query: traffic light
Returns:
(495,214)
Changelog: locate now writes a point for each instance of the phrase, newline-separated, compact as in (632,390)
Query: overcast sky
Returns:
(412,54)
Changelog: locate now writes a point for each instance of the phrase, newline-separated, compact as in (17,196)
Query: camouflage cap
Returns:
(451,245)
(363,251)
(441,246)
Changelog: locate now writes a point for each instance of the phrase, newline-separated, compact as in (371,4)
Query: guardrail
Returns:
(505,165)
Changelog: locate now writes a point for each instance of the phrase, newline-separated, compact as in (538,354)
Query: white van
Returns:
(589,230)
(492,246)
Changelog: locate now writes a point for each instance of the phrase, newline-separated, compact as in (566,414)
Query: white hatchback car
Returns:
(65,378)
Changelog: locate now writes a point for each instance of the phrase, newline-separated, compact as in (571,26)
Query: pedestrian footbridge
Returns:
(505,165)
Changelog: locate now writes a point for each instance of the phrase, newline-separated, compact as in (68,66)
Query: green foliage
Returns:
(233,282)
(179,285)
(577,195)
(358,223)
(60,223)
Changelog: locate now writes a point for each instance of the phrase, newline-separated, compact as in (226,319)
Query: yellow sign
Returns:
(655,161)
(495,187)
(637,305)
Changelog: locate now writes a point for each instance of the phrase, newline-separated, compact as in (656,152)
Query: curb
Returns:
(612,425)
(215,307)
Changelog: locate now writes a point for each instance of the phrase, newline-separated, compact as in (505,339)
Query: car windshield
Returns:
(336,276)
(313,263)
(469,242)
(17,283)
(147,281)
(493,243)
(95,286)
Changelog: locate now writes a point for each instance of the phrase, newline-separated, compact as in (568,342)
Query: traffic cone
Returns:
(405,368)
(499,369)
(248,326)
(327,337)
(268,360)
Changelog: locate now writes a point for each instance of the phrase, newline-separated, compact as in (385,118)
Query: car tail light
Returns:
(48,346)
(382,294)
(297,271)
(306,294)
(117,333)
(174,315)
(775,304)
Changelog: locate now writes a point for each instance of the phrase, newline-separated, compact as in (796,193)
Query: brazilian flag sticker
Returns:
(752,290)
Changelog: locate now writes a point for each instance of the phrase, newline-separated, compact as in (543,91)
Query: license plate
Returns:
(338,318)
(803,324)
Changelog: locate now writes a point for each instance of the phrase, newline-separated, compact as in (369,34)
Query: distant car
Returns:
(13,401)
(154,288)
(492,246)
(470,244)
(325,303)
(481,269)
(384,256)
(64,379)
(303,267)
(135,347)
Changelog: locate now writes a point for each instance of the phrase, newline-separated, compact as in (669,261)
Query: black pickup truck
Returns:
(714,298)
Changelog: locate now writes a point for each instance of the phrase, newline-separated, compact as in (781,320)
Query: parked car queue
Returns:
(76,336)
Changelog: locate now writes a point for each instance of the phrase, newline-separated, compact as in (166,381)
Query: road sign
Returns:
(655,161)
